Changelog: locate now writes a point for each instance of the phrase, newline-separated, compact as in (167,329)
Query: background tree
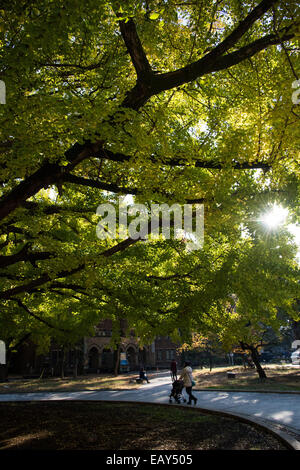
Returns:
(266,280)
(207,345)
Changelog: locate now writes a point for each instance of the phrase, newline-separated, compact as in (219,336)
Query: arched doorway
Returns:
(94,359)
(107,362)
(131,357)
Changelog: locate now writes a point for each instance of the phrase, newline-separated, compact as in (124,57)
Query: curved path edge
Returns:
(287,439)
(236,390)
(265,425)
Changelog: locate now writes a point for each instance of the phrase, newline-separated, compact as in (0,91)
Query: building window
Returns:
(170,354)
(103,333)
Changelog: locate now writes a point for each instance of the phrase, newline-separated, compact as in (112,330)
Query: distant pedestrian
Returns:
(143,375)
(173,368)
(187,377)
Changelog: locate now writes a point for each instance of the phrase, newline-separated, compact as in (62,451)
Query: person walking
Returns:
(187,377)
(173,368)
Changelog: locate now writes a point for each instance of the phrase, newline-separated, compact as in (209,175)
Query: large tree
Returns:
(167,101)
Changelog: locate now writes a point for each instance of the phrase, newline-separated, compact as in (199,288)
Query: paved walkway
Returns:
(281,410)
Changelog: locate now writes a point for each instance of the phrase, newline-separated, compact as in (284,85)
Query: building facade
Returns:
(94,355)
(99,356)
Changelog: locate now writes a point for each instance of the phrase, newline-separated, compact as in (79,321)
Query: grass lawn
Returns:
(279,378)
(69,384)
(106,426)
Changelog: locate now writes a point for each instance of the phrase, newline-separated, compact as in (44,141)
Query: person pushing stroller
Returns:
(188,382)
(176,392)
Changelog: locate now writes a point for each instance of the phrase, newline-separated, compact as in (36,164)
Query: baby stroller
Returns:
(176,392)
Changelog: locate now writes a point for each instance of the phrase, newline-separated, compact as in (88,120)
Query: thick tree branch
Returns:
(12,229)
(116,189)
(167,278)
(50,174)
(191,72)
(32,285)
(79,152)
(63,285)
(11,259)
(98,184)
(23,255)
(19,343)
(212,165)
(239,31)
(149,84)
(45,176)
(135,49)
(37,317)
(248,51)
(42,178)
(50,209)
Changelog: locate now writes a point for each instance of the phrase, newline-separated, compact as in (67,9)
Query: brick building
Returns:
(165,351)
(98,355)
(94,354)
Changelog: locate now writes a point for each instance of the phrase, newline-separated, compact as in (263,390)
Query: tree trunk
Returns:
(182,358)
(3,372)
(62,370)
(9,353)
(210,361)
(255,359)
(6,366)
(117,360)
(296,329)
(75,368)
